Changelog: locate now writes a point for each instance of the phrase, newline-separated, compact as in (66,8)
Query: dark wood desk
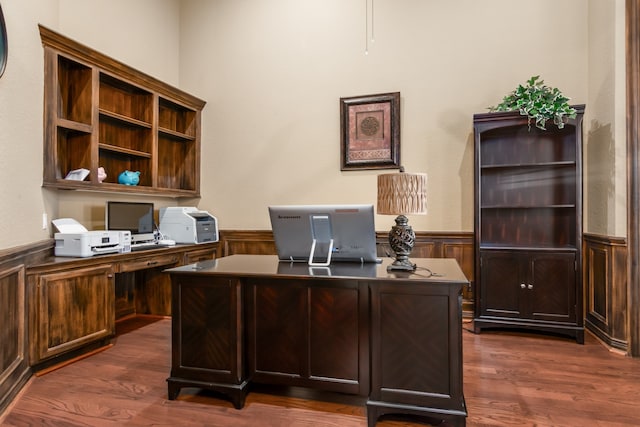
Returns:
(348,328)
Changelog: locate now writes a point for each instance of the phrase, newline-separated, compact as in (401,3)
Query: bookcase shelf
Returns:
(102,113)
(170,134)
(123,120)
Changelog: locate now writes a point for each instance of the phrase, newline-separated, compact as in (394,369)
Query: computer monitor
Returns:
(136,217)
(321,234)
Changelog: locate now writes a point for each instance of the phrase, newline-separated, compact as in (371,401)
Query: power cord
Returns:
(429,273)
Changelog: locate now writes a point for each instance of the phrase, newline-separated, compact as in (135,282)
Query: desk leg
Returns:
(434,416)
(236,393)
(173,390)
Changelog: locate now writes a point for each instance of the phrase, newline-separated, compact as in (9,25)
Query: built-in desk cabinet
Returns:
(70,309)
(141,285)
(73,303)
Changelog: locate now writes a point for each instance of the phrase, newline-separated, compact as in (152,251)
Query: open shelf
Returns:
(101,113)
(114,163)
(77,148)
(125,151)
(125,100)
(122,120)
(125,137)
(74,91)
(167,133)
(529,227)
(533,146)
(529,165)
(530,186)
(176,120)
(176,175)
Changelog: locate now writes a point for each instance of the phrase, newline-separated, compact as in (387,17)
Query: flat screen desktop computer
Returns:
(321,234)
(137,217)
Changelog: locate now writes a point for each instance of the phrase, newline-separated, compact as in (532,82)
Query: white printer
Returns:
(74,240)
(188,225)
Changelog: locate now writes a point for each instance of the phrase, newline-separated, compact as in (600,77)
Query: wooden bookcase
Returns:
(528,225)
(102,113)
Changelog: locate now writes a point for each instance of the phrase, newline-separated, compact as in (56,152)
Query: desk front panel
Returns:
(416,345)
(206,335)
(308,333)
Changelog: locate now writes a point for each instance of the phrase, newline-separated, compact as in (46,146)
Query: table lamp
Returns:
(402,194)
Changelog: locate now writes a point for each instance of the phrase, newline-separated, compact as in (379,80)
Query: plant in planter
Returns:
(538,102)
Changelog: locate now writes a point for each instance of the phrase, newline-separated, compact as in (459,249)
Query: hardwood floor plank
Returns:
(510,379)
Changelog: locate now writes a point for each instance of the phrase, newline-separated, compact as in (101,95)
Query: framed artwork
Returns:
(370,132)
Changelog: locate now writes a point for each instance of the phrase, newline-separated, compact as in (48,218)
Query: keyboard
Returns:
(145,246)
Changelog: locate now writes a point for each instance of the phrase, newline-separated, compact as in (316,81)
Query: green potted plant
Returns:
(539,103)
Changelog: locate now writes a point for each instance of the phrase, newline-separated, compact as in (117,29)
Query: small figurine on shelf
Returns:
(102,175)
(129,178)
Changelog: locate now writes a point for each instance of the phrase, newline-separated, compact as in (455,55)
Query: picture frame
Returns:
(370,132)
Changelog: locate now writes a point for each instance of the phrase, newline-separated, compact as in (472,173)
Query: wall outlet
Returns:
(45,221)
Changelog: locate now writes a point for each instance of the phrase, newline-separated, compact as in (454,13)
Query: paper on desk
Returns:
(68,225)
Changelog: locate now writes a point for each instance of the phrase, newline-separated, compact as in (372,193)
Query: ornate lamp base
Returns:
(401,240)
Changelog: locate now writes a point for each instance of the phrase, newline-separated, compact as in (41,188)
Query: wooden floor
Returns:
(509,380)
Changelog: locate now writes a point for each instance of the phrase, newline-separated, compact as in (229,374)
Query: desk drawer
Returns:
(199,255)
(150,261)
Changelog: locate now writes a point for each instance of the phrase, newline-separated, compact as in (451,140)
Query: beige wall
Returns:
(22,201)
(144,34)
(272,72)
(605,121)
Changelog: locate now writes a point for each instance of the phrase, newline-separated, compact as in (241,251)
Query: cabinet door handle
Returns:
(529,286)
(522,285)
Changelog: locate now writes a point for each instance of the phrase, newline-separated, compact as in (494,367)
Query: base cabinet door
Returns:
(500,280)
(70,309)
(551,290)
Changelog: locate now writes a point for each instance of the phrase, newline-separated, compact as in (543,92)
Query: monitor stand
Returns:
(321,234)
(312,253)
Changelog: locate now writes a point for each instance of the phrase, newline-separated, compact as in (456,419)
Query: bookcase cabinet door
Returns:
(500,281)
(529,285)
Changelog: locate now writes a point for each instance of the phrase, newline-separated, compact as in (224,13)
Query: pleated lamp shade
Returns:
(402,193)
